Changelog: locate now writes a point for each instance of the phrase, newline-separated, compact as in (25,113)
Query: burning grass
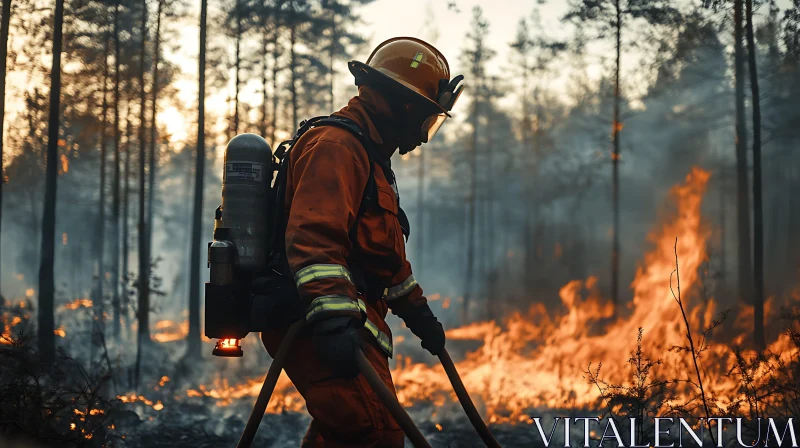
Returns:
(59,404)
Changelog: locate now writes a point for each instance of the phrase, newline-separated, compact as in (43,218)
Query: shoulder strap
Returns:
(282,155)
(370,191)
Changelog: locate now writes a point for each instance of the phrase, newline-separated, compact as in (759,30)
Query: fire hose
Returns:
(268,387)
(384,394)
(466,401)
(390,401)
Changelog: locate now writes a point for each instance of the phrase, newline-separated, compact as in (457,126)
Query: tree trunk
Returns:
(238,66)
(46,321)
(98,303)
(153,157)
(125,220)
(723,233)
(275,55)
(115,197)
(616,128)
(262,128)
(742,194)
(490,200)
(471,216)
(197,215)
(229,131)
(4,25)
(527,145)
(758,209)
(292,66)
(143,308)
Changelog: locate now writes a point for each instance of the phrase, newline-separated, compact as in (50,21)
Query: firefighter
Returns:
(348,257)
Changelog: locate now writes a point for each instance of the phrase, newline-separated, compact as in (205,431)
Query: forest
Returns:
(609,224)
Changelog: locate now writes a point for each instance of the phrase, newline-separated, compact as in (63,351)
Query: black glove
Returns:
(275,302)
(421,321)
(336,340)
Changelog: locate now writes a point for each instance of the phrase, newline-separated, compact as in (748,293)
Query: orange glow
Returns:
(60,332)
(229,344)
(168,331)
(30,292)
(78,303)
(6,338)
(285,397)
(64,238)
(64,162)
(134,398)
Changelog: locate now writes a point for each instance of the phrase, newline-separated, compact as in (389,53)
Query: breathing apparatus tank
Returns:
(240,247)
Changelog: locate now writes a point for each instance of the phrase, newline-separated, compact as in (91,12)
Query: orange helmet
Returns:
(416,69)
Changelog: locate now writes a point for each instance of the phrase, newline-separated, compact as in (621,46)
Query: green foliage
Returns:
(605,16)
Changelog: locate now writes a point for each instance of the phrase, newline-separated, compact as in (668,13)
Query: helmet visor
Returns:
(431,126)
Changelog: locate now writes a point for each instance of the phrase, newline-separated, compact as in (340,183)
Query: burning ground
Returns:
(579,359)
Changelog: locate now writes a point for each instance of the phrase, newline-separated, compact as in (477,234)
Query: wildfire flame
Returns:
(6,338)
(535,360)
(285,397)
(134,398)
(78,303)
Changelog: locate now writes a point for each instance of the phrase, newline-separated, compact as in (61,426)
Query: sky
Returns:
(388,18)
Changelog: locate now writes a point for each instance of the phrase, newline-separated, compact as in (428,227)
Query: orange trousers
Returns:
(345,411)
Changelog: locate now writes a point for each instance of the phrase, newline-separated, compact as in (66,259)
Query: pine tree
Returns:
(474,57)
(143,286)
(99,241)
(193,350)
(613,17)
(758,214)
(430,31)
(46,327)
(235,18)
(115,186)
(338,16)
(121,308)
(742,178)
(278,17)
(4,25)
(153,154)
(267,28)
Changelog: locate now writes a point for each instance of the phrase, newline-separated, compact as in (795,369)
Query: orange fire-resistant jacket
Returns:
(326,179)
